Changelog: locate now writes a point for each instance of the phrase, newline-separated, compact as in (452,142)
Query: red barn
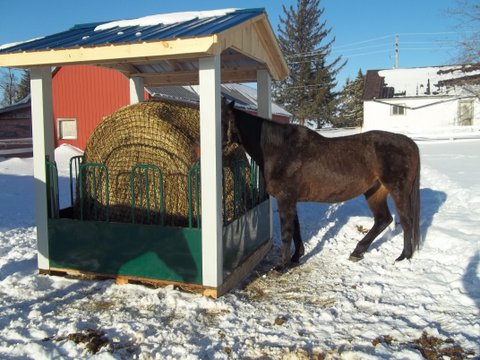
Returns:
(84,94)
(77,109)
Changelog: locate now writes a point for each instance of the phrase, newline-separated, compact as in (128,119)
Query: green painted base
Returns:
(144,251)
(151,252)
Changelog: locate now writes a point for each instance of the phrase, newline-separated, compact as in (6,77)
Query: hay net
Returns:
(164,135)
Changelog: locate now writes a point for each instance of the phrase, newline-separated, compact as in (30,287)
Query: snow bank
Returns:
(373,309)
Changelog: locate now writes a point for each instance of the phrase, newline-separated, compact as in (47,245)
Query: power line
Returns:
(356,49)
(365,41)
(349,47)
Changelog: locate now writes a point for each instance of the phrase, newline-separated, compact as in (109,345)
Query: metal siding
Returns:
(88,94)
(85,34)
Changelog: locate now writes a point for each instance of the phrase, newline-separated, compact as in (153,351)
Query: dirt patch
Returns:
(431,347)
(93,340)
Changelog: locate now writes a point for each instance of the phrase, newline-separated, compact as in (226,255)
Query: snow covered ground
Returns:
(328,307)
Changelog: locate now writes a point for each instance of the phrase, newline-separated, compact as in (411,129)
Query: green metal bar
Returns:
(254,183)
(74,167)
(239,193)
(52,189)
(193,174)
(224,198)
(197,197)
(158,197)
(94,170)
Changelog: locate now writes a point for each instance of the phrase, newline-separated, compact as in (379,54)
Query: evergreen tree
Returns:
(350,110)
(23,86)
(308,92)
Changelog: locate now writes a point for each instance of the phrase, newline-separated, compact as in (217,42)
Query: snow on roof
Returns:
(429,81)
(165,19)
(5,46)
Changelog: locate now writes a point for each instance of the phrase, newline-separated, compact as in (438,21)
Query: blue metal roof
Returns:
(84,35)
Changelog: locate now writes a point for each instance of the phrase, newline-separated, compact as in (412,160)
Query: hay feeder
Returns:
(135,211)
(224,46)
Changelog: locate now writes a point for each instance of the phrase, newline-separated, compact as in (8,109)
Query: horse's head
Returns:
(229,128)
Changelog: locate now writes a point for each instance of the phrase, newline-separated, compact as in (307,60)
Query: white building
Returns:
(423,101)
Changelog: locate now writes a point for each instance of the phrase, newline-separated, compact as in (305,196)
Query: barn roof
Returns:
(243,95)
(162,48)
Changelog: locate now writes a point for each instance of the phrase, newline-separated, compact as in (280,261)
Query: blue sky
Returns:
(364,30)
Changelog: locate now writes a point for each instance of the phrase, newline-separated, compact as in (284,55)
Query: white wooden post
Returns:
(137,90)
(264,106)
(43,145)
(264,94)
(211,170)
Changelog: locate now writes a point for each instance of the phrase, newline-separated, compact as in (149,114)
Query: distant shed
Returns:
(424,100)
(204,48)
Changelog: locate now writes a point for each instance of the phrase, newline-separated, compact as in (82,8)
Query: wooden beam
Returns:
(191,77)
(43,146)
(125,69)
(137,90)
(211,173)
(146,51)
(264,106)
(255,39)
(264,94)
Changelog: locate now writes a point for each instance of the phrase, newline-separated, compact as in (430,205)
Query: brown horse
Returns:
(298,164)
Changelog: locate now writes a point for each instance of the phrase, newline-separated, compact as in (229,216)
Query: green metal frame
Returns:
(94,170)
(74,169)
(194,191)
(149,251)
(53,201)
(150,177)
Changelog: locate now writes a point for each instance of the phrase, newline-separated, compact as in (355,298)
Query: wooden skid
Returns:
(229,283)
(120,279)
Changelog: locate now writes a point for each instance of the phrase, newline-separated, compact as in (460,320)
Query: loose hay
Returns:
(161,133)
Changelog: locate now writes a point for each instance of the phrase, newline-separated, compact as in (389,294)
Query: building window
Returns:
(399,109)
(465,112)
(67,129)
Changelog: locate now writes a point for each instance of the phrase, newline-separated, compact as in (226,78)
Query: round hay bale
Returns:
(165,134)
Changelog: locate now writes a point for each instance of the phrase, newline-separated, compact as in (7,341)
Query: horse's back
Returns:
(397,156)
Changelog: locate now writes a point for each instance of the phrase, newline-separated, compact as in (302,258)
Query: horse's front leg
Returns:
(297,240)
(287,212)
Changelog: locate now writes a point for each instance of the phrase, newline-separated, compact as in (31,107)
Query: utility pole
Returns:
(396,51)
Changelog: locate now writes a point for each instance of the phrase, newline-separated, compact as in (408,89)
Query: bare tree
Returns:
(467,13)
(8,87)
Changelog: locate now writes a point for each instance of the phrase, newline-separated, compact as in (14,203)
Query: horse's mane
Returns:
(270,131)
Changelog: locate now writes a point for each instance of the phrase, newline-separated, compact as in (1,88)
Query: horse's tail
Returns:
(415,210)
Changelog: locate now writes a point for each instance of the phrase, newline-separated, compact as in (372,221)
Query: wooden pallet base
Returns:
(229,283)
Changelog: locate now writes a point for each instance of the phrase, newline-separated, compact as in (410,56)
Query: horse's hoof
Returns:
(281,269)
(401,257)
(355,257)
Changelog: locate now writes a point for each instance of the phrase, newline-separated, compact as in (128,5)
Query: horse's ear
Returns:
(232,104)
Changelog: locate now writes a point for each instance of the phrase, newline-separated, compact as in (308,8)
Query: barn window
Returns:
(67,129)
(399,109)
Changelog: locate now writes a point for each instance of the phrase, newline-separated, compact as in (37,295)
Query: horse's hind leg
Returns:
(297,240)
(377,202)
(406,219)
(288,212)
